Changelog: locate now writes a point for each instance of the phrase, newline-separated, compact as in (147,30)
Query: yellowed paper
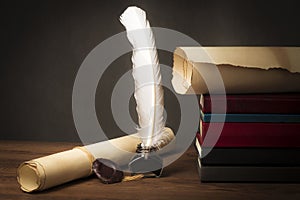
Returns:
(48,171)
(55,169)
(243,69)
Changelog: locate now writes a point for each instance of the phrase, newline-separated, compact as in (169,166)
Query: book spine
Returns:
(248,174)
(271,118)
(254,103)
(255,134)
(250,156)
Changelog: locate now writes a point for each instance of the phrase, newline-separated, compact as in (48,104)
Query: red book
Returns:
(254,134)
(288,103)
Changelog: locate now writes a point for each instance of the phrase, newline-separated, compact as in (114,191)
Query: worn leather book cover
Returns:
(248,156)
(255,134)
(248,173)
(275,103)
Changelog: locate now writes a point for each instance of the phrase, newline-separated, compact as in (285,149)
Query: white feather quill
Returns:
(146,73)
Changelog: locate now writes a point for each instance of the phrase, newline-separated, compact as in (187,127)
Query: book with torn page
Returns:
(242,69)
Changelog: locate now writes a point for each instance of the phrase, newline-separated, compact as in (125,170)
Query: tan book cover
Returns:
(242,69)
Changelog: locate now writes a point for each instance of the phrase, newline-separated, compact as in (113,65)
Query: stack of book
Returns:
(259,142)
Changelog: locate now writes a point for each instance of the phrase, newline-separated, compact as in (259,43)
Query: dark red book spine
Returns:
(253,103)
(254,134)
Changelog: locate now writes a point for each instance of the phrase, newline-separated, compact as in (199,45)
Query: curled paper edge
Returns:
(264,69)
(55,169)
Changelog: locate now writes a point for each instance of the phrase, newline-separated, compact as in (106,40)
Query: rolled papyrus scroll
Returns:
(48,171)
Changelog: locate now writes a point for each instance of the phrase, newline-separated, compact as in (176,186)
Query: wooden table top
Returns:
(180,180)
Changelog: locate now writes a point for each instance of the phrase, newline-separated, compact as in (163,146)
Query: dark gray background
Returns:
(44,42)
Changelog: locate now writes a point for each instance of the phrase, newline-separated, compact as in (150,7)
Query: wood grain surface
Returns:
(180,180)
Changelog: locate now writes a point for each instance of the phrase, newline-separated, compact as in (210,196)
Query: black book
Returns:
(248,174)
(249,156)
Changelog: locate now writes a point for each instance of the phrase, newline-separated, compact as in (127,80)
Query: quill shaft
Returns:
(146,72)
